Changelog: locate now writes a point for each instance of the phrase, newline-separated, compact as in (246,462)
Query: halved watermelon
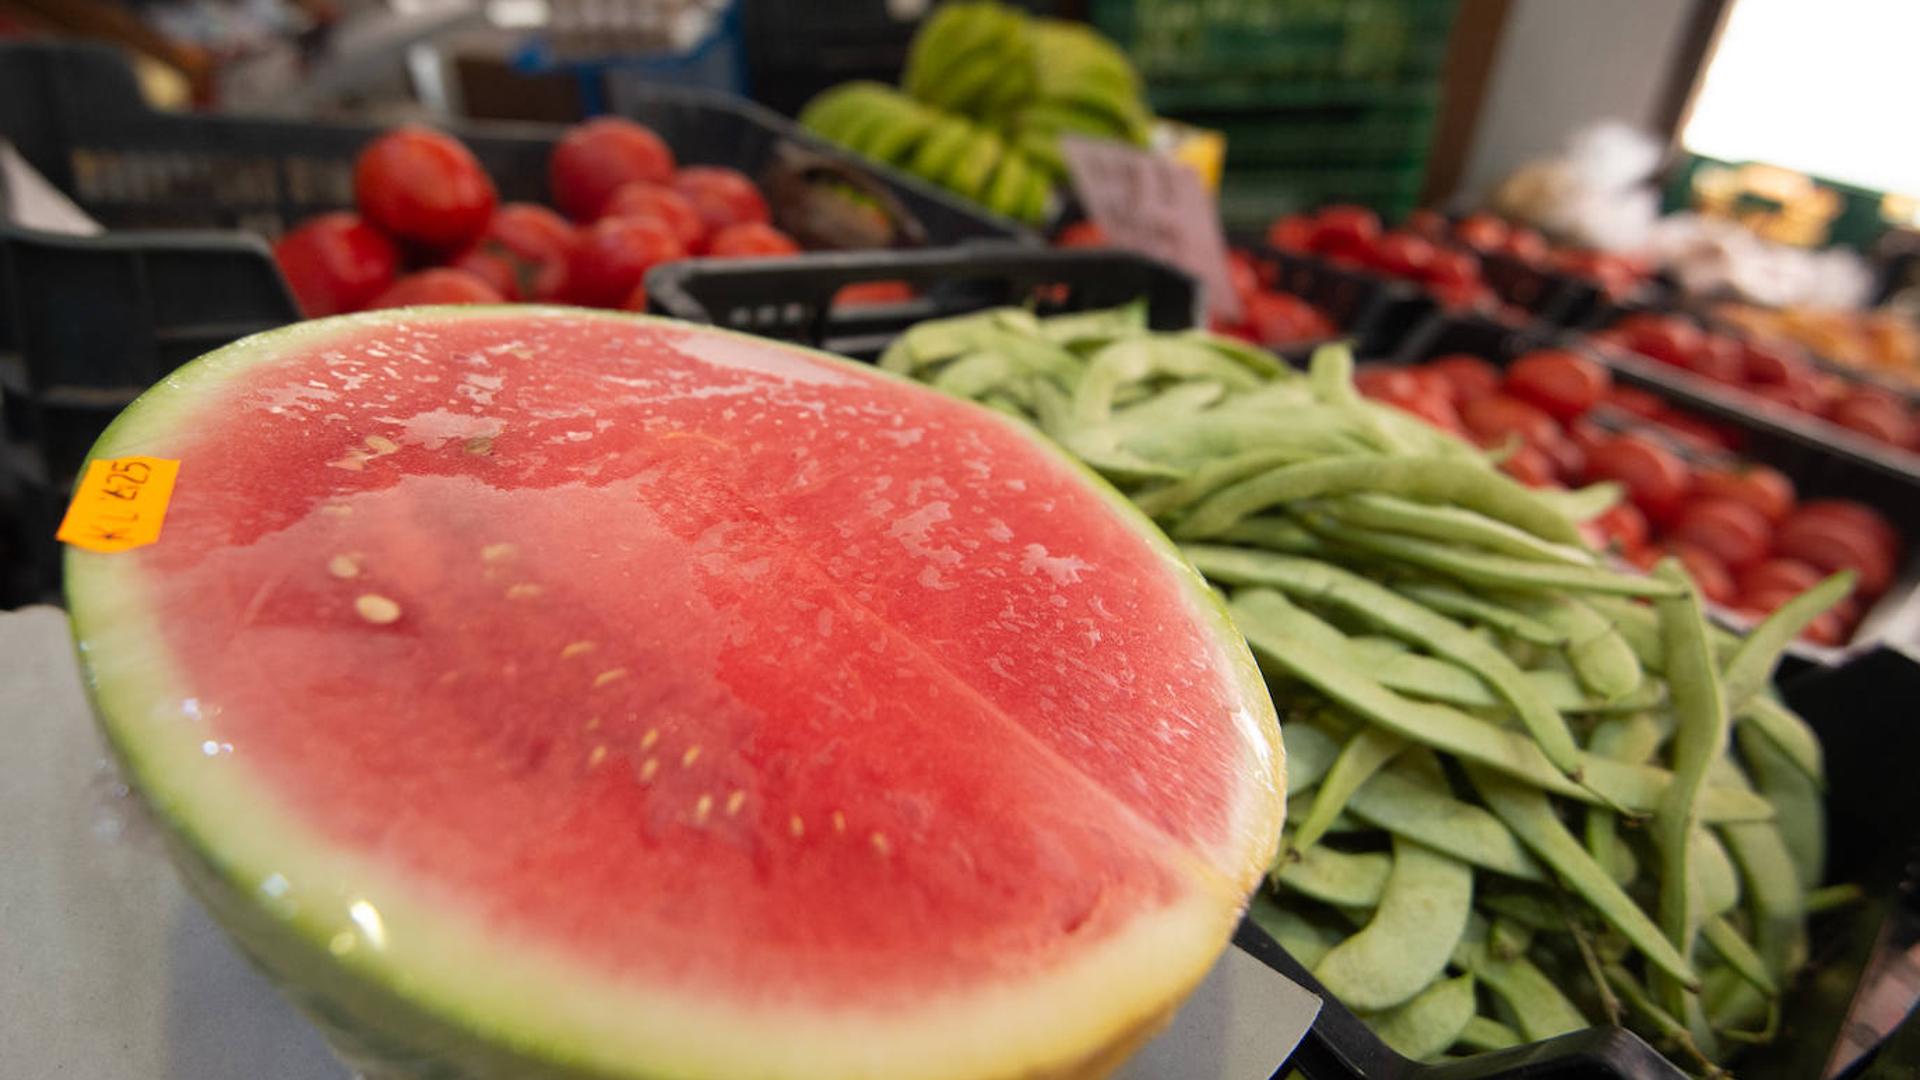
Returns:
(538,692)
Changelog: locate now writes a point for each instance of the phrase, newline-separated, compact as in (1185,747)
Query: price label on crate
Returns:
(1157,206)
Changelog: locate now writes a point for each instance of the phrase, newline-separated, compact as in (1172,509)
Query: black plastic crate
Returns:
(93,320)
(793,299)
(1372,311)
(1858,709)
(1816,470)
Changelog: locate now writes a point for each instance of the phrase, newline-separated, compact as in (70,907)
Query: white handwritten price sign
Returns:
(1157,206)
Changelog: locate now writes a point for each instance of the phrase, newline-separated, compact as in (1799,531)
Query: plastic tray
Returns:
(792,299)
(1816,470)
(1872,825)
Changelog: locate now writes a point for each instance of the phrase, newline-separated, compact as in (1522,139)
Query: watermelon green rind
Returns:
(420,992)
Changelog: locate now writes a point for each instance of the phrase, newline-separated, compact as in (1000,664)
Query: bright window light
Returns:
(1820,88)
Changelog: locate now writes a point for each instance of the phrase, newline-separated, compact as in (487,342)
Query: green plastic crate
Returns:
(1334,46)
(1323,138)
(1251,198)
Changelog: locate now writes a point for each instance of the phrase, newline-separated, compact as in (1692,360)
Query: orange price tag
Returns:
(120,504)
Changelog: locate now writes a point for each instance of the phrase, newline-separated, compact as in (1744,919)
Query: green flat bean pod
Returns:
(1408,803)
(1310,752)
(1789,734)
(1336,877)
(1482,568)
(1427,479)
(1406,945)
(1431,1022)
(1481,1034)
(1539,1008)
(1751,666)
(1450,524)
(1528,813)
(1303,939)
(1404,619)
(1450,600)
(1364,755)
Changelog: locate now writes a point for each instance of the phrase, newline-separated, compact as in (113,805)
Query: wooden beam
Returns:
(1471,50)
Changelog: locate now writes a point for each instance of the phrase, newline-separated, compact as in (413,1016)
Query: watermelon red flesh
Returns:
(714,665)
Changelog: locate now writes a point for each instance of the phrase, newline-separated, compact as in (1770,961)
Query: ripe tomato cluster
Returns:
(1739,527)
(1269,316)
(1775,371)
(428,227)
(1353,236)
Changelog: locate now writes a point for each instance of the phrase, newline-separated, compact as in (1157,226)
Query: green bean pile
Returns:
(1527,792)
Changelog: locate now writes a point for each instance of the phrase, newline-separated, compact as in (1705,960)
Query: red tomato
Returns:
(1765,489)
(1293,233)
(1832,543)
(1284,319)
(595,159)
(751,239)
(644,199)
(423,187)
(1482,232)
(1875,414)
(1434,408)
(1734,531)
(723,196)
(1668,339)
(1788,575)
(523,253)
(1707,572)
(1569,459)
(1529,466)
(1771,363)
(1081,234)
(873,293)
(1624,526)
(1656,480)
(1494,418)
(1525,244)
(1403,255)
(1565,384)
(1827,628)
(1384,381)
(1641,403)
(1453,269)
(1719,358)
(1427,223)
(637,299)
(1241,271)
(439,285)
(1586,435)
(336,263)
(1345,230)
(1470,376)
(614,254)
(1861,517)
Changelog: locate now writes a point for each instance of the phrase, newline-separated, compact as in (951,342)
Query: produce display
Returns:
(424,203)
(1528,793)
(1772,374)
(1885,343)
(1617,276)
(1738,526)
(987,92)
(573,694)
(1353,236)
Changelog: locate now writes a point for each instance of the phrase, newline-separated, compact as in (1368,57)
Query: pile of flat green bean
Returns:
(1528,792)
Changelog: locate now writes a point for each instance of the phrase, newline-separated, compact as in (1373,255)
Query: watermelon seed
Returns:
(735,801)
(523,591)
(652,736)
(578,648)
(376,609)
(702,807)
(692,755)
(648,768)
(382,445)
(593,723)
(355,461)
(496,552)
(480,446)
(839,822)
(607,676)
(343,566)
(880,844)
(797,827)
(598,755)
(337,509)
